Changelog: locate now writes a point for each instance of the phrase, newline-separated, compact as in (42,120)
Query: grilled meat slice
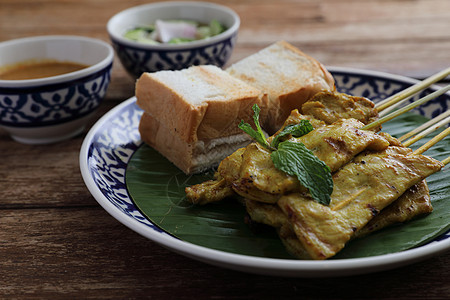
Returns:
(218,188)
(258,179)
(362,188)
(335,145)
(291,242)
(414,202)
(331,106)
(209,191)
(272,215)
(265,213)
(338,143)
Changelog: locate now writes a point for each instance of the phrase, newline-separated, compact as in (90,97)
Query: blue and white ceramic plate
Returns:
(113,140)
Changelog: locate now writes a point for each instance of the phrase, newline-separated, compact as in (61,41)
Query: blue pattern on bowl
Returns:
(115,141)
(137,60)
(55,103)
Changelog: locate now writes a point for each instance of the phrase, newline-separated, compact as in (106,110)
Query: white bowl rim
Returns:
(116,36)
(63,77)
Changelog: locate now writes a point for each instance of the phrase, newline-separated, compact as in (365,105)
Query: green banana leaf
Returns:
(157,188)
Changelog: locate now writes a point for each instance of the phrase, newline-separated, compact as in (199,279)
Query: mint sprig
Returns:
(258,134)
(294,158)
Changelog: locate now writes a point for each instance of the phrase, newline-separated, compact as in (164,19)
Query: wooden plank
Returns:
(43,175)
(395,59)
(83,252)
(403,37)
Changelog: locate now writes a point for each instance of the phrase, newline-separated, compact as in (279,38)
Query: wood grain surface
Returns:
(56,241)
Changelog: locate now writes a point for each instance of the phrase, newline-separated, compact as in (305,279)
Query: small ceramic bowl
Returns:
(51,109)
(138,57)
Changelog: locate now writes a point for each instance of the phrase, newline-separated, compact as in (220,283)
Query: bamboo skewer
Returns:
(426,132)
(392,107)
(407,108)
(424,126)
(427,129)
(431,142)
(412,90)
(424,129)
(446,161)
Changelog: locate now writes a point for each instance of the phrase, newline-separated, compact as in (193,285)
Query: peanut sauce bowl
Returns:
(138,57)
(53,108)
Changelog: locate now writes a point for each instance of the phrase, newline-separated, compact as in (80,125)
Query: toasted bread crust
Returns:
(171,146)
(289,77)
(217,115)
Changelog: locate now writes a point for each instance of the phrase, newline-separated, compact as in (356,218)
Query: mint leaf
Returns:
(296,130)
(257,134)
(296,160)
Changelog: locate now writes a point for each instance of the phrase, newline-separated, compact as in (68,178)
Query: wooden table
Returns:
(57,242)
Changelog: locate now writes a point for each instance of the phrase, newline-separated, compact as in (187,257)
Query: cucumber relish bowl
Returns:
(138,57)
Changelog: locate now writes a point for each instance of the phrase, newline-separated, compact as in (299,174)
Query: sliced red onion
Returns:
(167,30)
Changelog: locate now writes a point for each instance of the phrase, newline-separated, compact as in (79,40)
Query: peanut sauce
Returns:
(38,69)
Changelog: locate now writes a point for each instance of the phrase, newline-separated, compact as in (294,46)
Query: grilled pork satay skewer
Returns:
(382,105)
(413,203)
(415,199)
(330,107)
(362,188)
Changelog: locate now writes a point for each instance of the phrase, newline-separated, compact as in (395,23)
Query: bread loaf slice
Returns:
(192,157)
(198,103)
(192,114)
(289,77)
